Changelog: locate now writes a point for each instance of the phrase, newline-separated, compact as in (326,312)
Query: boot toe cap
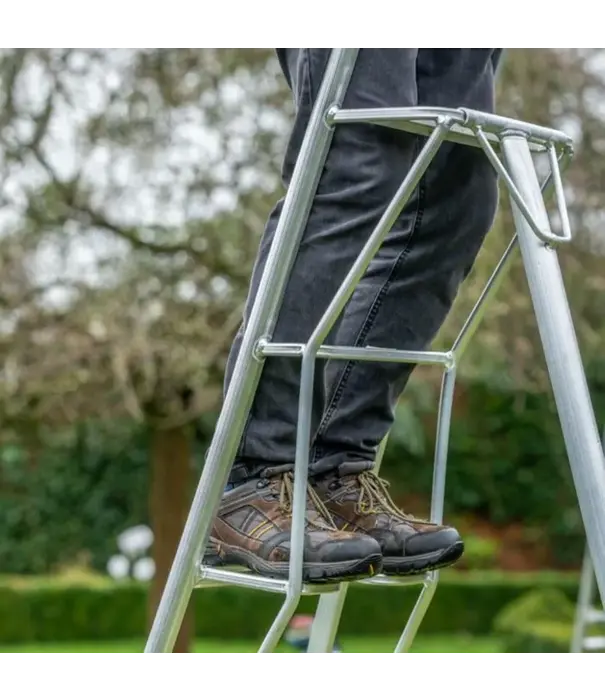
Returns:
(432,541)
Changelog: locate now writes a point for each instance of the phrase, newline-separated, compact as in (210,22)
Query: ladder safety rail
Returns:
(515,141)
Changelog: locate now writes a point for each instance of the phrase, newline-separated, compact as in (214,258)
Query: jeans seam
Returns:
(368,324)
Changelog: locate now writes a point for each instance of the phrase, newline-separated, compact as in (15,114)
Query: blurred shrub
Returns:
(538,622)
(479,552)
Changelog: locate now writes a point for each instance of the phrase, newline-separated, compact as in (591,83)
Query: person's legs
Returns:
(402,302)
(364,167)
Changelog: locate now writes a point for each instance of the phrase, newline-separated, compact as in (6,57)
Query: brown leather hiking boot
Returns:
(253,529)
(359,501)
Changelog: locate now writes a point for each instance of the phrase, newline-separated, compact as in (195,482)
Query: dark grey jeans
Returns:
(410,286)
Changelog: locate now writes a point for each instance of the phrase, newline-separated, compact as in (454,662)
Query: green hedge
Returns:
(45,610)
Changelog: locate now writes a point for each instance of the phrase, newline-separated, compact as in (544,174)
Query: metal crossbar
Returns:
(508,145)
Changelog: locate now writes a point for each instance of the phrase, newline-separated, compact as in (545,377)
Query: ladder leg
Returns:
(585,597)
(327,619)
(561,351)
(247,371)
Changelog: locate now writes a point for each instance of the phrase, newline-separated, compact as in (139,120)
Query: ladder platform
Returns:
(368,353)
(423,121)
(211,577)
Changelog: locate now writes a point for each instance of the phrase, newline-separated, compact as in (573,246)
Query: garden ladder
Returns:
(508,144)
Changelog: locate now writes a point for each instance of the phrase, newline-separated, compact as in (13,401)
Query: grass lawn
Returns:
(460,644)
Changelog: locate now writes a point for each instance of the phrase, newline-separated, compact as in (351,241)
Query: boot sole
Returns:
(421,563)
(315,572)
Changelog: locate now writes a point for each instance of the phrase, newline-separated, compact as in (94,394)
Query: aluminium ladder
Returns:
(588,612)
(509,145)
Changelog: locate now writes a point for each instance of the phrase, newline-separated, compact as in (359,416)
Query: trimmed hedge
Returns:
(41,610)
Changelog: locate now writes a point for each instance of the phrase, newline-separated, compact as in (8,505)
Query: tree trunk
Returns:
(170,499)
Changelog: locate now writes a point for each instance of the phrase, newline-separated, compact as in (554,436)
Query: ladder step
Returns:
(382,580)
(594,615)
(594,643)
(210,577)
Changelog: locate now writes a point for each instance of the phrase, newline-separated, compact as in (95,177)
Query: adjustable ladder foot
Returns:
(516,141)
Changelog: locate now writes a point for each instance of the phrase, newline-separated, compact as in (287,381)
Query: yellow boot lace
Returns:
(374,497)
(286,500)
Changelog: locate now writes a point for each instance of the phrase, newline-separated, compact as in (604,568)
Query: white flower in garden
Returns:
(135,541)
(118,566)
(144,569)
(132,561)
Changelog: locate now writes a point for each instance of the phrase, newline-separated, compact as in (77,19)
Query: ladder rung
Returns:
(369,354)
(595,615)
(594,643)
